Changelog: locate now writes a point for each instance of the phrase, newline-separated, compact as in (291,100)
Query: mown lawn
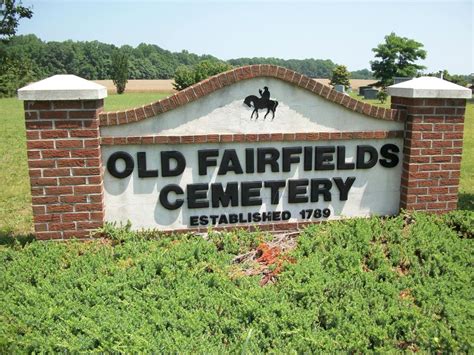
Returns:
(360,285)
(116,102)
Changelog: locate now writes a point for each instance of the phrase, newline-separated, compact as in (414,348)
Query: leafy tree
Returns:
(183,77)
(15,73)
(462,80)
(120,70)
(396,57)
(10,14)
(340,76)
(208,68)
(186,76)
(382,95)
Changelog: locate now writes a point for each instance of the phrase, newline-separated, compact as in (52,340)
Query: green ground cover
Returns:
(394,284)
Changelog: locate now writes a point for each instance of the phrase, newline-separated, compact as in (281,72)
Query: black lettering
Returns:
(266,217)
(285,215)
(324,157)
(256,217)
(250,192)
(223,219)
(194,221)
(289,157)
(164,197)
(361,152)
(230,162)
(297,191)
(344,187)
(233,218)
(320,187)
(275,186)
(308,159)
(203,159)
(213,218)
(276,216)
(142,170)
(387,151)
(112,165)
(243,220)
(268,156)
(221,197)
(249,160)
(196,194)
(341,159)
(203,220)
(166,169)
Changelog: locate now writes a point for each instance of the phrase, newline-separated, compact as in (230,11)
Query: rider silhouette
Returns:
(265,94)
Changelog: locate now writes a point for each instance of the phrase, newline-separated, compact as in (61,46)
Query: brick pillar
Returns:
(432,142)
(64,157)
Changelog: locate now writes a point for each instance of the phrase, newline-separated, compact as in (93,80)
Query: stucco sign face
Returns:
(233,158)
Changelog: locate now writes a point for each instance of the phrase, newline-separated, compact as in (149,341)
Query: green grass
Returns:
(355,95)
(15,200)
(466,193)
(359,285)
(116,102)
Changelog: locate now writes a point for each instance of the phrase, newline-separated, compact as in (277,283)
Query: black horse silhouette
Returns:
(261,103)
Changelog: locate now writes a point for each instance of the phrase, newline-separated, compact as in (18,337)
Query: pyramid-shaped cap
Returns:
(62,87)
(429,87)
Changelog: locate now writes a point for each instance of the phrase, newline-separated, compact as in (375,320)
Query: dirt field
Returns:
(167,85)
(355,83)
(140,85)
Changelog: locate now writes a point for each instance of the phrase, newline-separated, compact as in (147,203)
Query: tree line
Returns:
(27,58)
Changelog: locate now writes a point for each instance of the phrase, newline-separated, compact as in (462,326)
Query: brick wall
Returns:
(64,162)
(432,153)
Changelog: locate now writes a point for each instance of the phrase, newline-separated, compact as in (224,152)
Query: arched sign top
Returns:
(236,75)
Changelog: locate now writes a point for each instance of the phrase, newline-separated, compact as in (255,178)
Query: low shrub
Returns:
(364,284)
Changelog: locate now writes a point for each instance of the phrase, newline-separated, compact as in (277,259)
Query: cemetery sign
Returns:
(255,147)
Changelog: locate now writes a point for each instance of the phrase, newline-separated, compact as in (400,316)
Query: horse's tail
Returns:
(248,101)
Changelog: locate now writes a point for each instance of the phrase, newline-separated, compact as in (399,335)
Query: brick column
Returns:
(64,157)
(433,142)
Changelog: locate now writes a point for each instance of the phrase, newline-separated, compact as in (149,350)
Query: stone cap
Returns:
(62,87)
(429,87)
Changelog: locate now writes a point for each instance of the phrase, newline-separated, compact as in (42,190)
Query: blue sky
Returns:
(343,31)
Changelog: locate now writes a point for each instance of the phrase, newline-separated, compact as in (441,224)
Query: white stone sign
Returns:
(225,185)
(181,186)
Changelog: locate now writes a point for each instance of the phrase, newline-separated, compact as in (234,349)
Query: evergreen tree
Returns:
(340,76)
(119,70)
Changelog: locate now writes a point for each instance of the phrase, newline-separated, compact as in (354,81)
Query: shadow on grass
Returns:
(7,238)
(466,201)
